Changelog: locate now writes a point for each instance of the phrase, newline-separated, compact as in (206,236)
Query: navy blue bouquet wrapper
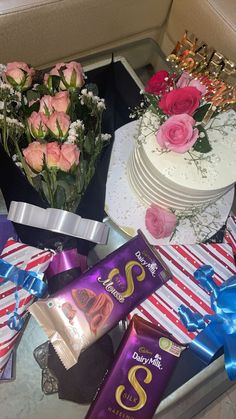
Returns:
(111,81)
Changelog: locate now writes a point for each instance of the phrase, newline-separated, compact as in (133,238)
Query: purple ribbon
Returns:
(66,260)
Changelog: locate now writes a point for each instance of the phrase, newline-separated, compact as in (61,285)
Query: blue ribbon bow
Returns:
(219,329)
(29,280)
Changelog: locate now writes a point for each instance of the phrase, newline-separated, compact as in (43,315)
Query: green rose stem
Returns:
(49,180)
(73,96)
(96,151)
(28,136)
(5,145)
(24,164)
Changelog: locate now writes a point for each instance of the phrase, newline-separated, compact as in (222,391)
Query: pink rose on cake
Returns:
(179,101)
(186,80)
(160,222)
(177,133)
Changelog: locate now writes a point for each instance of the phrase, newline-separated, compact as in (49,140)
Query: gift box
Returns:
(27,258)
(161,307)
(230,232)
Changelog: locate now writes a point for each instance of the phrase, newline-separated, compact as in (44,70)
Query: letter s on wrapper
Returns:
(95,302)
(143,365)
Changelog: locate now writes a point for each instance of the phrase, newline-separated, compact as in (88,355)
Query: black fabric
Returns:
(80,383)
(60,280)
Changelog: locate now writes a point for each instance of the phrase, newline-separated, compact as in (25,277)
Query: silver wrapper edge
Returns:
(59,221)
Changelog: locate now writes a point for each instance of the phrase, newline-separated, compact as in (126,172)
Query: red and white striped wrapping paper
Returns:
(27,258)
(161,307)
(230,232)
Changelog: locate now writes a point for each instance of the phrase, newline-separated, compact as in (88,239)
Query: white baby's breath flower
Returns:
(2,68)
(13,121)
(71,139)
(72,131)
(84,92)
(106,137)
(101,105)
(79,124)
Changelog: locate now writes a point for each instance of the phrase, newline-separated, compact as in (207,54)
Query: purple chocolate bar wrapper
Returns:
(143,365)
(91,305)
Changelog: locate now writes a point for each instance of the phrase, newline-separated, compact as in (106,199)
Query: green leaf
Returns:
(89,143)
(37,182)
(202,144)
(32,95)
(30,109)
(42,90)
(201,112)
(46,192)
(55,82)
(65,177)
(60,196)
(153,99)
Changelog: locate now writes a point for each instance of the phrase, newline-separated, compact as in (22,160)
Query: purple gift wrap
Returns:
(92,304)
(134,386)
(7,374)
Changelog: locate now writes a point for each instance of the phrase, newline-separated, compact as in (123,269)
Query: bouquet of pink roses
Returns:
(51,127)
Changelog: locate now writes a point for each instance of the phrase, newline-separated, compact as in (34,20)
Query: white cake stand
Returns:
(128,213)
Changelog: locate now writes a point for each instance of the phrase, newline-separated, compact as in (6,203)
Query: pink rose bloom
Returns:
(53,153)
(37,126)
(58,123)
(160,222)
(158,83)
(61,101)
(46,105)
(69,157)
(19,75)
(179,101)
(72,75)
(34,155)
(177,133)
(186,80)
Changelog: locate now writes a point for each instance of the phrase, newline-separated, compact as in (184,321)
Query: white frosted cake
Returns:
(188,180)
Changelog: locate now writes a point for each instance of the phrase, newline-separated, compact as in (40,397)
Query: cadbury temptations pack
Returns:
(91,305)
(134,386)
